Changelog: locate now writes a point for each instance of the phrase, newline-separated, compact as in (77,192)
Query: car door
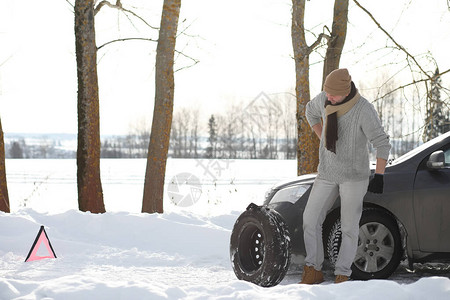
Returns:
(432,206)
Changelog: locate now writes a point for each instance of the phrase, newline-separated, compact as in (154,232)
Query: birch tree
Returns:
(163,109)
(90,193)
(4,199)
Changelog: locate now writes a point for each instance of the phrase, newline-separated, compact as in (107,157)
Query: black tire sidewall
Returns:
(276,246)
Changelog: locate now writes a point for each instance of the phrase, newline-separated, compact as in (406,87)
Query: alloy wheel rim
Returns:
(375,247)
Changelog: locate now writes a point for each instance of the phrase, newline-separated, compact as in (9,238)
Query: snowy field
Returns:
(181,254)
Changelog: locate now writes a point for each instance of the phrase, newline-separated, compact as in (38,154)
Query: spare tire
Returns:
(260,246)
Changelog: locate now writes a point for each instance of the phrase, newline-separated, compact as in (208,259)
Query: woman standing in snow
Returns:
(349,123)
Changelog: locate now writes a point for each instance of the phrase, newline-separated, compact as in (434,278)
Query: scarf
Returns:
(332,112)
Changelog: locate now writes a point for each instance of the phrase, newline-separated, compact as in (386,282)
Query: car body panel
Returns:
(432,208)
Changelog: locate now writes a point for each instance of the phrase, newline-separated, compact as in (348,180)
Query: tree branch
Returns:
(400,47)
(317,42)
(6,60)
(100,5)
(119,6)
(195,61)
(411,83)
(70,4)
(126,39)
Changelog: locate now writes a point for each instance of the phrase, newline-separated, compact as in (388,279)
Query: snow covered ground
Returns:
(181,254)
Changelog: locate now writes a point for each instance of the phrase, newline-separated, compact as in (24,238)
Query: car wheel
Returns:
(260,246)
(379,245)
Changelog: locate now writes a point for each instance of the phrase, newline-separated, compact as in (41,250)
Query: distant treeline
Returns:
(37,149)
(265,128)
(135,146)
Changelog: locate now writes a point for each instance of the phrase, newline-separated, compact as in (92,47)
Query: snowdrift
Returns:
(177,255)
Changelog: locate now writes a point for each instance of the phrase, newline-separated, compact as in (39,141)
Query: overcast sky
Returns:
(243,48)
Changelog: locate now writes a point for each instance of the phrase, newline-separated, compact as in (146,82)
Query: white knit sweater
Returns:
(356,128)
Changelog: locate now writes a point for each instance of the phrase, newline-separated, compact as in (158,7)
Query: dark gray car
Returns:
(411,219)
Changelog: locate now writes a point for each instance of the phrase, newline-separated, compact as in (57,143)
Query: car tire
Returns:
(379,245)
(260,246)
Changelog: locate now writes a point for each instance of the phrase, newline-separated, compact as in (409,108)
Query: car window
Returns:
(447,157)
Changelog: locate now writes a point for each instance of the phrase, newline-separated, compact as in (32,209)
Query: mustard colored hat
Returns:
(338,83)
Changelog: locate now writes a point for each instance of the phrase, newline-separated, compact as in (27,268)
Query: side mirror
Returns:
(436,160)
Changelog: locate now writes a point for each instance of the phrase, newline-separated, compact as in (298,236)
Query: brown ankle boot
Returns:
(311,275)
(341,278)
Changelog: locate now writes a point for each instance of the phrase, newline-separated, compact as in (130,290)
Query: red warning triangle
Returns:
(40,238)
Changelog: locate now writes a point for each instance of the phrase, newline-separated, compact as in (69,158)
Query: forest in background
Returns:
(263,128)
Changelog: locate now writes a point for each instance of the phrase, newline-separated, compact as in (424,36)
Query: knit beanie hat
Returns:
(338,82)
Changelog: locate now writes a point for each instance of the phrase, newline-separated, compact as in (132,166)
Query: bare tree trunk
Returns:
(90,194)
(337,39)
(4,199)
(162,114)
(307,142)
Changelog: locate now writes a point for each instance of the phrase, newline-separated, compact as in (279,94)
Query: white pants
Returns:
(323,195)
